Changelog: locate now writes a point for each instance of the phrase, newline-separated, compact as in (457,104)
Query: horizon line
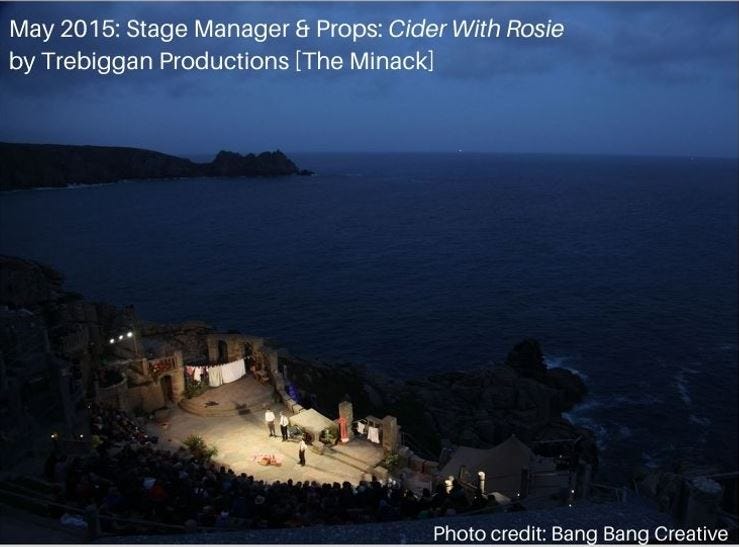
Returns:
(460,151)
(495,153)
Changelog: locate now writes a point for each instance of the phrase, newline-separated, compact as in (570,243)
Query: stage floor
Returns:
(240,439)
(241,396)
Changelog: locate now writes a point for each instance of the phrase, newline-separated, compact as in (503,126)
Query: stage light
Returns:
(120,337)
(129,334)
(112,340)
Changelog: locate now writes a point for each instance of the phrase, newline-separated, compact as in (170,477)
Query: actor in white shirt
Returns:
(284,422)
(269,417)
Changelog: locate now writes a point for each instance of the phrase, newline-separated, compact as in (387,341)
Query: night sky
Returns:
(628,78)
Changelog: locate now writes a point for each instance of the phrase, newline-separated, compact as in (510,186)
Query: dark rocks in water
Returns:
(305,173)
(570,386)
(47,165)
(527,359)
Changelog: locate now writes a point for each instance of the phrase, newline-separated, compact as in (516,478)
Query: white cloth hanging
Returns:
(214,376)
(373,434)
(197,373)
(360,428)
(230,372)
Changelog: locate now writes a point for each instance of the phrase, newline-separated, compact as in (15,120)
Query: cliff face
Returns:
(47,165)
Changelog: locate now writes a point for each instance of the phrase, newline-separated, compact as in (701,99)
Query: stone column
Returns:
(270,363)
(178,378)
(212,349)
(235,348)
(346,411)
(390,434)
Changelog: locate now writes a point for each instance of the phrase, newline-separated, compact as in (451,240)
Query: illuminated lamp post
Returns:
(127,336)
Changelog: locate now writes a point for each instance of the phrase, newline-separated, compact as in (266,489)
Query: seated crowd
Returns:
(128,478)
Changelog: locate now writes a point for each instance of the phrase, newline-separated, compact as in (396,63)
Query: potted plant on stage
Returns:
(199,450)
(328,438)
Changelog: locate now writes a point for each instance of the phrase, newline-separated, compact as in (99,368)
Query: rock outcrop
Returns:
(478,408)
(48,165)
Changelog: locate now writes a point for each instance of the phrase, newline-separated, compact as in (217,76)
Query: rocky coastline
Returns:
(25,166)
(41,322)
(477,408)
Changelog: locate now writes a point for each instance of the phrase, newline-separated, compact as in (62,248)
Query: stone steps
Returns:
(337,453)
(353,462)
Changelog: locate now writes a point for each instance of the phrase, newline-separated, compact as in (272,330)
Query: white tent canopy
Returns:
(502,465)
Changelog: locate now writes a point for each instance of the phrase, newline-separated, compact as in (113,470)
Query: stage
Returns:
(243,438)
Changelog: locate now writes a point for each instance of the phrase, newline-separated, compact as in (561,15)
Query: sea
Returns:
(624,268)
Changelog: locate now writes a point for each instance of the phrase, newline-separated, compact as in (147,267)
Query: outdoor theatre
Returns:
(228,396)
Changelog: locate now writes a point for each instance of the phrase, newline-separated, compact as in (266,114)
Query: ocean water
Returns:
(624,268)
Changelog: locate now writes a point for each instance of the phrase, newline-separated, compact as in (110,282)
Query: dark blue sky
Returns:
(628,78)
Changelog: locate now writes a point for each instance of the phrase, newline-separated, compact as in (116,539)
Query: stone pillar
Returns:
(178,378)
(390,434)
(272,359)
(234,348)
(704,496)
(346,411)
(212,349)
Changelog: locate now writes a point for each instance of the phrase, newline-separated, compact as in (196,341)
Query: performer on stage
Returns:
(284,422)
(269,417)
(301,451)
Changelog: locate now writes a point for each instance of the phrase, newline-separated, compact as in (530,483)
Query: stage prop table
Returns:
(314,423)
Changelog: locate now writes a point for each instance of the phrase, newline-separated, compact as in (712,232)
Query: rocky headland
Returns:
(24,166)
